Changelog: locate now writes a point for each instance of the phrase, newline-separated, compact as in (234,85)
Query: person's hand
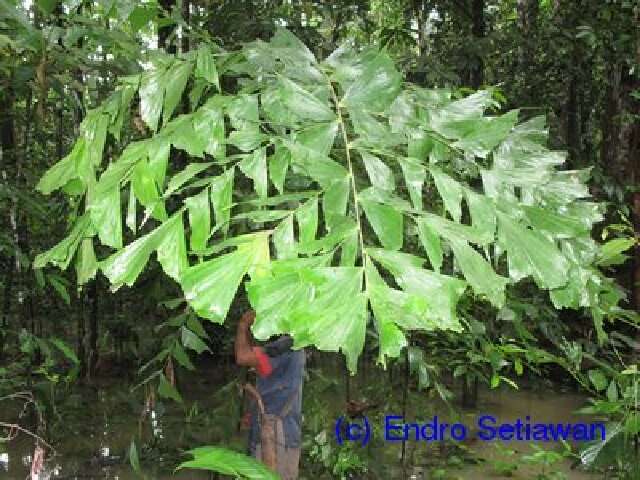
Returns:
(248,318)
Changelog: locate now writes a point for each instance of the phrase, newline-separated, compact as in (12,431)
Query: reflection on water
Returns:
(94,435)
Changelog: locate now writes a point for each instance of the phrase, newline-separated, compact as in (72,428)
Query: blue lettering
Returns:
(388,426)
(485,423)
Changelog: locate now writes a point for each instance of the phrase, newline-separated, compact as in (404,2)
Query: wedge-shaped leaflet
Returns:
(199,219)
(307,217)
(146,191)
(460,118)
(431,242)
(63,171)
(62,253)
(441,291)
(124,266)
(376,87)
(172,248)
(324,307)
(210,286)
(283,239)
(254,166)
(186,174)
(206,66)
(303,104)
(379,173)
(450,191)
(86,263)
(278,165)
(487,133)
(414,176)
(175,79)
(531,253)
(448,229)
(152,87)
(386,220)
(106,216)
(479,273)
(221,196)
(334,202)
(393,309)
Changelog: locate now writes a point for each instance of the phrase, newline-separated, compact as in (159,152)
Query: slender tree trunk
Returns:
(92,334)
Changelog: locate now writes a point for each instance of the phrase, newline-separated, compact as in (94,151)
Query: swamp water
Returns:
(95,427)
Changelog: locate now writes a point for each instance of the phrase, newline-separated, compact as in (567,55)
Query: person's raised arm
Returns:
(245,355)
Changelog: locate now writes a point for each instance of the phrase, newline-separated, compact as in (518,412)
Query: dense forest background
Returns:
(577,62)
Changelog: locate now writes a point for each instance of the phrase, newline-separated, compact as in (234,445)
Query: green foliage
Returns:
(498,208)
(228,462)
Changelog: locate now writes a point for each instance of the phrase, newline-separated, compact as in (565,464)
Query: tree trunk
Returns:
(93,354)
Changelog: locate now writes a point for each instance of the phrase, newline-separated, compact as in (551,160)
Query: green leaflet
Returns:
(106,217)
(191,341)
(377,87)
(145,190)
(172,248)
(209,287)
(379,173)
(86,263)
(479,273)
(334,202)
(199,219)
(441,291)
(94,129)
(278,165)
(284,240)
(320,306)
(319,137)
(221,196)
(158,159)
(343,228)
(175,81)
(460,118)
(488,132)
(182,177)
(246,139)
(450,191)
(349,251)
(307,217)
(483,215)
(63,171)
(124,266)
(243,112)
(448,229)
(390,338)
(254,166)
(61,254)
(152,86)
(321,168)
(131,220)
(611,253)
(166,390)
(531,253)
(414,176)
(431,243)
(386,221)
(206,66)
(208,123)
(557,224)
(302,103)
(228,462)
